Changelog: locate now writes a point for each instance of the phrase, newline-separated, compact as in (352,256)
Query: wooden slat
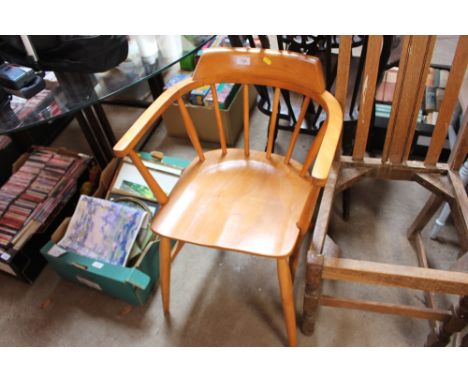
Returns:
(407,40)
(406,104)
(272,127)
(191,131)
(437,184)
(379,307)
(158,192)
(368,272)
(460,149)
(454,82)
(297,128)
(426,213)
(367,96)
(410,102)
(219,121)
(246,106)
(420,95)
(314,148)
(342,76)
(410,166)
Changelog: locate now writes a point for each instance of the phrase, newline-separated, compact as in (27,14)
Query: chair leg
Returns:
(294,258)
(287,298)
(165,271)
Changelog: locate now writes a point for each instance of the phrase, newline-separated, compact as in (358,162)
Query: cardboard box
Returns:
(132,284)
(27,263)
(205,121)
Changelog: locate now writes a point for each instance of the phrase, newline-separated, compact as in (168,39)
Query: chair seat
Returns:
(236,203)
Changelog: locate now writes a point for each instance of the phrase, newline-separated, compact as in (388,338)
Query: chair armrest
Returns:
(331,139)
(133,135)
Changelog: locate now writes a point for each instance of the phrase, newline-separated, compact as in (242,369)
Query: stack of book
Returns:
(32,194)
(203,96)
(434,93)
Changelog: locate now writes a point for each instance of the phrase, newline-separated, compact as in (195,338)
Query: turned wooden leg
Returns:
(454,324)
(165,271)
(287,298)
(313,290)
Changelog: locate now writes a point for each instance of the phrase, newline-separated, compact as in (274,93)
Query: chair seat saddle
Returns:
(236,203)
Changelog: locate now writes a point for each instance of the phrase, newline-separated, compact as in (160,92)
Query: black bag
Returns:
(78,54)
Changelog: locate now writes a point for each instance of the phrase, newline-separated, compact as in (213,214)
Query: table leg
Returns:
(100,113)
(92,140)
(100,133)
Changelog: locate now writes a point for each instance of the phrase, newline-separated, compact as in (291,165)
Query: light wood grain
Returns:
(287,298)
(158,192)
(226,202)
(272,127)
(244,200)
(165,270)
(191,131)
(287,70)
(219,121)
(246,106)
(297,129)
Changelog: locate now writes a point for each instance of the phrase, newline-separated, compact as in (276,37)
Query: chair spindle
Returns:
(272,127)
(219,121)
(158,192)
(297,129)
(191,131)
(245,92)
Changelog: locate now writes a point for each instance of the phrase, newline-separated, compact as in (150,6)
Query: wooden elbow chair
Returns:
(243,200)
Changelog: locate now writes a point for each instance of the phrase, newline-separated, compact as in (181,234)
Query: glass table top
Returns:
(67,93)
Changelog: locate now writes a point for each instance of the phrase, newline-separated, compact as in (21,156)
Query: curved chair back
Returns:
(278,69)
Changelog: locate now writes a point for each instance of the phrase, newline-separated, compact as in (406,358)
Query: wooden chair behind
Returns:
(441,179)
